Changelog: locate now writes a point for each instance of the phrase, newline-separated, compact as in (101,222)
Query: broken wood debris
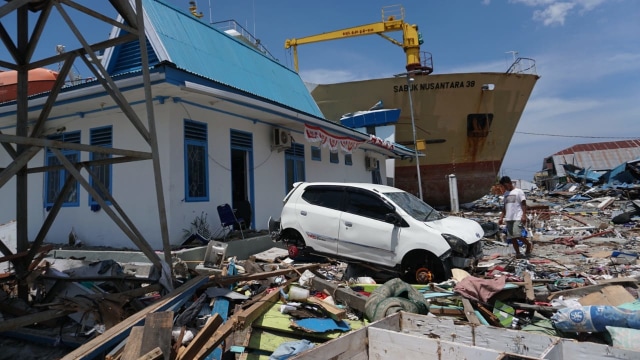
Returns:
(599,270)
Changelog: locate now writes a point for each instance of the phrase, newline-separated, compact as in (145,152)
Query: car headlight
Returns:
(457,245)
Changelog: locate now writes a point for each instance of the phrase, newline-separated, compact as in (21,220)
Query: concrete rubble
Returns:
(579,286)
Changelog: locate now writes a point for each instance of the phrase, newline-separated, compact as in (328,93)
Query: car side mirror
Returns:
(393,218)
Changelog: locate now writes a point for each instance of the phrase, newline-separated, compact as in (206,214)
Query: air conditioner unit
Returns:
(371,163)
(281,139)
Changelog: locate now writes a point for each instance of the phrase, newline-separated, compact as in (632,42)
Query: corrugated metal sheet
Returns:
(193,45)
(597,156)
(608,145)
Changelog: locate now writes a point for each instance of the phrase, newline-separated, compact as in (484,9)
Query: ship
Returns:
(465,121)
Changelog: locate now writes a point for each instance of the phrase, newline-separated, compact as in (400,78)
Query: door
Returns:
(242,176)
(318,214)
(364,234)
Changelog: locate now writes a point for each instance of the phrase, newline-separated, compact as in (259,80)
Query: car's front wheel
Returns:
(422,267)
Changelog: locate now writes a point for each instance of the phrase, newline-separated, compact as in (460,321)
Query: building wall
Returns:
(133,186)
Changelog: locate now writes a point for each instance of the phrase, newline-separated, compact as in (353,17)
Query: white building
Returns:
(232,126)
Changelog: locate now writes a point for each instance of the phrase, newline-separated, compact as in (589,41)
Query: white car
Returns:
(377,225)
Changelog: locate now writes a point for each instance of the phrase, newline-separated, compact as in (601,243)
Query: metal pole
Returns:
(415,143)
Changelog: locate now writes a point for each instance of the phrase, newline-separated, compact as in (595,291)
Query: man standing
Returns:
(514,212)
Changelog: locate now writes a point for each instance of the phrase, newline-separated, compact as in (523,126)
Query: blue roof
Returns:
(378,117)
(178,37)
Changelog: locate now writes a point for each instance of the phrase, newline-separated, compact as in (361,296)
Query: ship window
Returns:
(55,179)
(196,172)
(102,136)
(478,125)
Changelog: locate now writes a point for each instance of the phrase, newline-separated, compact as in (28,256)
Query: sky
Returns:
(587,54)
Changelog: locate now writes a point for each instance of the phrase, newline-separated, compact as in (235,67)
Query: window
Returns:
(54,179)
(325,196)
(316,153)
(333,157)
(294,165)
(348,160)
(196,174)
(478,125)
(366,204)
(102,136)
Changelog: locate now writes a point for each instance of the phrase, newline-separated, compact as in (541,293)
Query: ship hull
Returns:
(467,121)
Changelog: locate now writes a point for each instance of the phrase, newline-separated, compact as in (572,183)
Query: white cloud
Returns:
(328,76)
(555,12)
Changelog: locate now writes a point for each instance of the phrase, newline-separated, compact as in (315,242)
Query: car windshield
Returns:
(413,206)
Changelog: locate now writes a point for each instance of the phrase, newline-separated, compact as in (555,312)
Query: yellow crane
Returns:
(392,20)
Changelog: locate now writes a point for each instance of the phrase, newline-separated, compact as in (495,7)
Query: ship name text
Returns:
(435,86)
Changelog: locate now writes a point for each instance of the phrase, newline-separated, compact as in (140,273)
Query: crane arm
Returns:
(369,29)
(411,39)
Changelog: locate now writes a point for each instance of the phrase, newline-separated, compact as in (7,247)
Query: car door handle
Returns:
(303,213)
(348,224)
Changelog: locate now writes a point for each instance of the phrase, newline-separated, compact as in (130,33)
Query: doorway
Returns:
(242,196)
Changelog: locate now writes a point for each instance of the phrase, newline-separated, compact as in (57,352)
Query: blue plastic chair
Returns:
(228,220)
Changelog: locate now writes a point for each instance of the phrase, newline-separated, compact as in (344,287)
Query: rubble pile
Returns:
(580,285)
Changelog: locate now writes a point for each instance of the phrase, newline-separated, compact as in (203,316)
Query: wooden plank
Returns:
(333,311)
(528,287)
(111,337)
(134,344)
(39,317)
(116,352)
(391,322)
(247,316)
(613,295)
(343,348)
(443,329)
(201,338)
(343,295)
(239,321)
(539,308)
(154,354)
(489,315)
(215,340)
(385,343)
(470,312)
(514,341)
(446,311)
(586,290)
(157,333)
(587,350)
(228,280)
(178,343)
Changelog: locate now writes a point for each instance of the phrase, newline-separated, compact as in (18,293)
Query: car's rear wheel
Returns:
(422,267)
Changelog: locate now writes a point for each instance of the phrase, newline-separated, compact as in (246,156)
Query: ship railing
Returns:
(523,66)
(232,28)
(427,60)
